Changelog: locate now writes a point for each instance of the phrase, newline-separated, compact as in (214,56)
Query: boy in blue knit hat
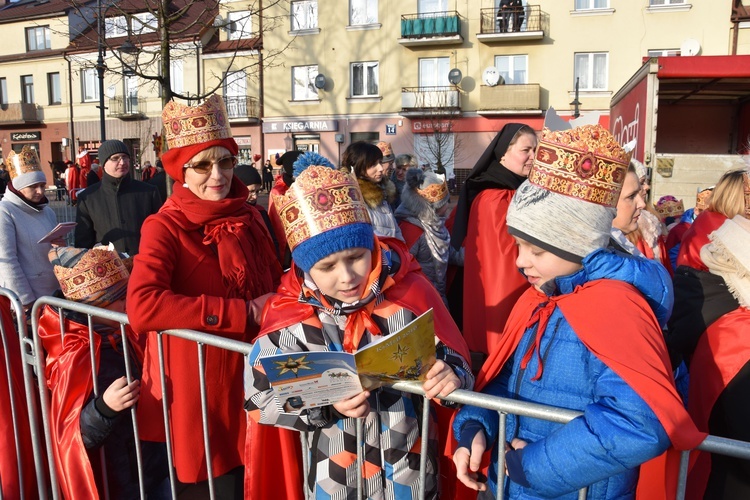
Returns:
(346,289)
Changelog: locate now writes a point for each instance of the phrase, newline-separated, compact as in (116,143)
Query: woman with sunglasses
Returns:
(206,263)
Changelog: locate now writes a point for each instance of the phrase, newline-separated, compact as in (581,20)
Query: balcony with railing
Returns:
(510,99)
(433,28)
(19,113)
(510,25)
(241,108)
(127,107)
(418,100)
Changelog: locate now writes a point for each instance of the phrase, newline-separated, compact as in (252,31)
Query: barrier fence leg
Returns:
(501,440)
(136,433)
(423,447)
(682,479)
(359,423)
(165,408)
(204,416)
(97,393)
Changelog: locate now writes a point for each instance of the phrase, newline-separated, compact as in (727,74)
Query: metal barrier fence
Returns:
(33,356)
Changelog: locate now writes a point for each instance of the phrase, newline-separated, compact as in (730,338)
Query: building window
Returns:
(38,38)
(53,86)
(364,79)
(592,4)
(27,89)
(662,53)
(433,72)
(240,25)
(513,69)
(428,6)
(304,15)
(363,12)
(666,2)
(592,69)
(303,83)
(90,84)
(3,92)
(144,22)
(176,77)
(115,27)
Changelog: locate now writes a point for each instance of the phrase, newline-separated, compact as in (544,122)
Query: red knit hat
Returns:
(192,129)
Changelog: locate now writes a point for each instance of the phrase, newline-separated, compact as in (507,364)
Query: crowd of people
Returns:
(553,280)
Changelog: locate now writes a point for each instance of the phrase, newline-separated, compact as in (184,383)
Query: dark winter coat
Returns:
(113,211)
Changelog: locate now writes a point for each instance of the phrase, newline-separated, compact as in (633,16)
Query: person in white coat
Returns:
(25,218)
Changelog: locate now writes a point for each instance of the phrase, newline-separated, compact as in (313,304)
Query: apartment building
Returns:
(50,91)
(401,70)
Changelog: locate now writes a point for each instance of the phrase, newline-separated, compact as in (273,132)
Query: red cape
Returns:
(696,238)
(492,282)
(69,377)
(720,354)
(674,237)
(641,360)
(410,232)
(9,463)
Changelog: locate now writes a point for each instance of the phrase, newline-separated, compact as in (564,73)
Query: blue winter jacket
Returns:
(618,430)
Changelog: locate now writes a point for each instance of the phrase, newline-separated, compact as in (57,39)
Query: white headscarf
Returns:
(728,256)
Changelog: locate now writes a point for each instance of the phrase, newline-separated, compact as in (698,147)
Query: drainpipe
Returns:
(71,123)
(261,100)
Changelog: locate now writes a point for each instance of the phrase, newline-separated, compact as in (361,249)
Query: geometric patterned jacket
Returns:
(392,427)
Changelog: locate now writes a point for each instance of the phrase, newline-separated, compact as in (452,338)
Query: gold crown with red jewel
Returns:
(98,276)
(189,125)
(585,162)
(670,208)
(434,192)
(321,199)
(24,162)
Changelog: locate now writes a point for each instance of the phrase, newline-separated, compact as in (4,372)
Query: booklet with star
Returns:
(311,379)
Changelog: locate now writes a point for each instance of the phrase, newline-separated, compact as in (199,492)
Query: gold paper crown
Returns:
(22,163)
(189,125)
(434,192)
(386,149)
(703,198)
(746,186)
(97,271)
(670,208)
(584,162)
(320,199)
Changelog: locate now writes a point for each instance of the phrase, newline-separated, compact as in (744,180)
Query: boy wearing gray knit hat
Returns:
(586,336)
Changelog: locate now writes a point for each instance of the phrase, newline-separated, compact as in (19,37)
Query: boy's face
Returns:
(343,275)
(116,306)
(540,266)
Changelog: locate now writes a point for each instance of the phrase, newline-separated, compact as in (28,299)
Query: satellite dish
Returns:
(690,47)
(320,81)
(218,22)
(491,76)
(454,76)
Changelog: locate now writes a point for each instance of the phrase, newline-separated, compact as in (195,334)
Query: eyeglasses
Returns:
(119,158)
(205,166)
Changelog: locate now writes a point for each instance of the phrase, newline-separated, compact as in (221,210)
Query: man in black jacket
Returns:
(113,210)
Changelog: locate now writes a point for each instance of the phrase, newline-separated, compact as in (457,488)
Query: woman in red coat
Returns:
(206,263)
(491,281)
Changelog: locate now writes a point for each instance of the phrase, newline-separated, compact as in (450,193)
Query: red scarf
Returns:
(641,360)
(242,242)
(408,288)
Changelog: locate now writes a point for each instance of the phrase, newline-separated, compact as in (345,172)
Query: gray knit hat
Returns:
(569,201)
(111,147)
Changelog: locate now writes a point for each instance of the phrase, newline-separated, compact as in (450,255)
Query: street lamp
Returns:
(576,102)
(100,68)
